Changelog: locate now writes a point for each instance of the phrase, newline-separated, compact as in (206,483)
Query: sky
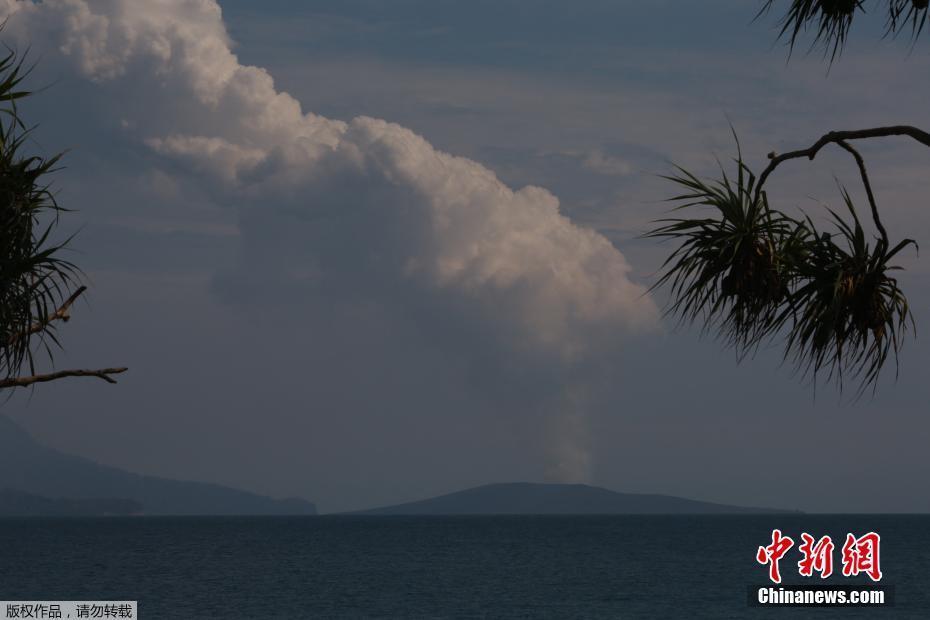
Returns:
(365,252)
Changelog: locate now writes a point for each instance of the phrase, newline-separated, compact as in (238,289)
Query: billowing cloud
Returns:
(364,209)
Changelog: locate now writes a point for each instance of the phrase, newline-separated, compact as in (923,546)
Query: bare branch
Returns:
(103,373)
(836,137)
(63,314)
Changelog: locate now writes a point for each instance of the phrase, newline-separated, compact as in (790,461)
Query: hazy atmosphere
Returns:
(367,252)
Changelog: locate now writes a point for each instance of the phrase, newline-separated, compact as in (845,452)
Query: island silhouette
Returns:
(36,480)
(526,498)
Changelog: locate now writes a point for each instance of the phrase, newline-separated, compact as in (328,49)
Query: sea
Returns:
(445,567)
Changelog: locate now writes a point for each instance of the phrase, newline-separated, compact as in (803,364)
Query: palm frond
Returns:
(732,269)
(747,272)
(907,13)
(34,279)
(850,314)
(830,20)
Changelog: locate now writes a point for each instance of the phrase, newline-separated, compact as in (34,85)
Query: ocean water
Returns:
(441,567)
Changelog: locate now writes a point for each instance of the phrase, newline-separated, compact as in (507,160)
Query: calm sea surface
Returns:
(440,567)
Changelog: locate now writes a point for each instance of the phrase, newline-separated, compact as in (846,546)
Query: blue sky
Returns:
(368,388)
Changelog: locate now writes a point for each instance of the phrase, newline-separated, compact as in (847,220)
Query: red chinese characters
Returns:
(773,553)
(817,556)
(861,555)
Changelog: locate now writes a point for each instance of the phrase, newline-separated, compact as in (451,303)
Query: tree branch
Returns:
(868,190)
(63,313)
(103,373)
(836,137)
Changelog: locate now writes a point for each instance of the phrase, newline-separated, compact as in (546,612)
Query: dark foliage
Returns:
(34,280)
(749,272)
(734,268)
(830,20)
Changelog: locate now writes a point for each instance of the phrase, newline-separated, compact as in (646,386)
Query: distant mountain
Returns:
(29,467)
(555,499)
(19,504)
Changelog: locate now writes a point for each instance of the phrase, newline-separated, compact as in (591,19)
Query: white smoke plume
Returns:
(568,438)
(364,207)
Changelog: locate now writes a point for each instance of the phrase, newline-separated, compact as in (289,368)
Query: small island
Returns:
(525,498)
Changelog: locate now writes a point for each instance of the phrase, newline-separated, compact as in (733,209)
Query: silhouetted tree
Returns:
(750,272)
(37,287)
